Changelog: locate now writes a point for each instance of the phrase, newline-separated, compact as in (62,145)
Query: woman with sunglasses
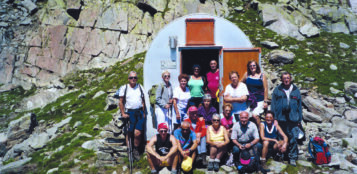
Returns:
(217,138)
(257,86)
(207,110)
(197,84)
(163,107)
(181,97)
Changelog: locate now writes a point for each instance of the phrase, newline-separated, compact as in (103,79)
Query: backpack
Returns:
(152,100)
(248,161)
(124,97)
(318,150)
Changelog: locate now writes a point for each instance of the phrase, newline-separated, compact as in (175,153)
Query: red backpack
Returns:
(318,150)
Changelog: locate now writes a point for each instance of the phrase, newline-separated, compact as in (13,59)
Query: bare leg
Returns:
(220,152)
(265,149)
(175,157)
(213,152)
(137,138)
(151,160)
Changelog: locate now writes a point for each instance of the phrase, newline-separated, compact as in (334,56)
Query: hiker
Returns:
(181,97)
(197,124)
(207,110)
(165,153)
(163,107)
(257,86)
(271,133)
(186,142)
(227,120)
(132,107)
(245,135)
(236,93)
(217,138)
(286,105)
(213,82)
(197,85)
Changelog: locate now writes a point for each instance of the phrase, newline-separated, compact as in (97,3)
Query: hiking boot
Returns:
(204,159)
(136,155)
(293,163)
(216,166)
(210,166)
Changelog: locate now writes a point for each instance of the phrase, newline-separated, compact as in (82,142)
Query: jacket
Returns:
(167,94)
(283,110)
(200,126)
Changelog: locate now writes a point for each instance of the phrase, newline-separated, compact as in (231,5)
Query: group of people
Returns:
(197,123)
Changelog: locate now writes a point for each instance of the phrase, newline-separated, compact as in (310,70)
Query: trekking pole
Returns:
(130,149)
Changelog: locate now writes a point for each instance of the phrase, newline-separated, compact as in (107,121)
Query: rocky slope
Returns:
(69,57)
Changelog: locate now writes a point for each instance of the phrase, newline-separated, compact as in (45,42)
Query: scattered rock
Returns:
(334,90)
(316,107)
(239,9)
(227,168)
(340,100)
(93,144)
(77,124)
(351,87)
(333,67)
(309,116)
(269,44)
(99,93)
(14,167)
(309,30)
(83,95)
(52,170)
(281,56)
(277,167)
(343,45)
(351,115)
(29,5)
(305,163)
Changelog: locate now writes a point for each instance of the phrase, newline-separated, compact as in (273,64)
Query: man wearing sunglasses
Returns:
(165,153)
(186,141)
(132,107)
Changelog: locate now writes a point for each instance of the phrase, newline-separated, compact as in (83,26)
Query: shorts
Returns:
(257,110)
(137,119)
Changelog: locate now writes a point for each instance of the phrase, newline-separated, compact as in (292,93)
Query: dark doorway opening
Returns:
(198,56)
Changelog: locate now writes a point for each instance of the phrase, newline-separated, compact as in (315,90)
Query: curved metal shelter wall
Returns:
(161,57)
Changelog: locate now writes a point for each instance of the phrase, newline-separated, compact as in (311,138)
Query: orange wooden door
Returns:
(237,59)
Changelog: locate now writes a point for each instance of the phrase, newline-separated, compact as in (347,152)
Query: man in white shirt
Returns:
(132,107)
(236,93)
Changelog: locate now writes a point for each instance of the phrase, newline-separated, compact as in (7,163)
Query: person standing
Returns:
(286,105)
(213,82)
(181,97)
(236,93)
(163,107)
(132,107)
(197,85)
(257,85)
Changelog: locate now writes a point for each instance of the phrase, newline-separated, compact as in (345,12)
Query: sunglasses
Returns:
(252,65)
(134,77)
(196,69)
(184,130)
(163,131)
(166,76)
(215,120)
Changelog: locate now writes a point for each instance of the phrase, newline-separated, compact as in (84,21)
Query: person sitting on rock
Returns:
(269,133)
(197,124)
(165,153)
(186,141)
(217,138)
(245,135)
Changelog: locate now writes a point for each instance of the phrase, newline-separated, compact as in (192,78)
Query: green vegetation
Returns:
(10,99)
(313,55)
(344,143)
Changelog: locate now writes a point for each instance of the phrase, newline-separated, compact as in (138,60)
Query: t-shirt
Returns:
(213,83)
(243,135)
(239,91)
(287,92)
(182,97)
(185,142)
(227,123)
(196,87)
(133,96)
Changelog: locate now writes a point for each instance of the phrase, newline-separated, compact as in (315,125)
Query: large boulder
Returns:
(341,128)
(41,98)
(316,107)
(20,129)
(351,115)
(311,117)
(14,167)
(281,56)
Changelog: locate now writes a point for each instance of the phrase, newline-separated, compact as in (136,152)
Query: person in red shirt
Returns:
(197,124)
(213,82)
